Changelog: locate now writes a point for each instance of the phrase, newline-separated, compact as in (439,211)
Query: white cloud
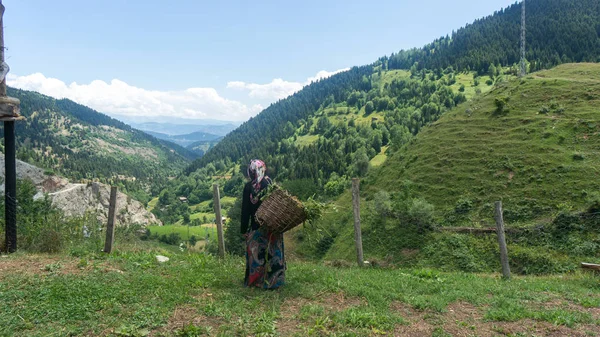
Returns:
(278,88)
(120,98)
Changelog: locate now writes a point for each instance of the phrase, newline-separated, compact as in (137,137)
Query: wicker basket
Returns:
(280,212)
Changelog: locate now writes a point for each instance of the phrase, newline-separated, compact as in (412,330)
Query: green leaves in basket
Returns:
(267,192)
(314,209)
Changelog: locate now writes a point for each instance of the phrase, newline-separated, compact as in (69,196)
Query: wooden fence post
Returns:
(357,233)
(9,108)
(218,219)
(112,214)
(502,240)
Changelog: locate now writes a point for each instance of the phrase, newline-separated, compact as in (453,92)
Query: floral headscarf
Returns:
(256,172)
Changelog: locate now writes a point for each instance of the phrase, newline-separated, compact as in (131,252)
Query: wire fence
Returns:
(406,233)
(393,232)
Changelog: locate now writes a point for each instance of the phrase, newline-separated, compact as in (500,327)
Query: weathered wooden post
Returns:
(357,232)
(502,240)
(218,219)
(9,113)
(112,215)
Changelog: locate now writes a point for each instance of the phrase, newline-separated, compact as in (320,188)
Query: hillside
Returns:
(336,140)
(558,31)
(186,140)
(82,144)
(200,147)
(320,130)
(530,143)
(538,155)
(76,200)
(182,126)
(348,124)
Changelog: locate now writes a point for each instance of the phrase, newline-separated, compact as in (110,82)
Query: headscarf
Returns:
(256,172)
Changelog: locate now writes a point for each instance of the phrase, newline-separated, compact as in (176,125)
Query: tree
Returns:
(369,107)
(382,204)
(323,124)
(361,162)
(492,71)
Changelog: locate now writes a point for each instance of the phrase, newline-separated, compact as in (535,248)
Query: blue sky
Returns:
(209,59)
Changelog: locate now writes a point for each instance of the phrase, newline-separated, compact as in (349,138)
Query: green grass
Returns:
(199,231)
(151,204)
(226,203)
(389,76)
(128,293)
(380,158)
(537,163)
(201,215)
(306,140)
(521,157)
(466,79)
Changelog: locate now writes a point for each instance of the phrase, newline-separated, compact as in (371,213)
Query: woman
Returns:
(265,262)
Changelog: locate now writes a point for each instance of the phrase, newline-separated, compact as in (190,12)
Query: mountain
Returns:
(348,124)
(219,128)
(200,147)
(531,143)
(186,139)
(79,199)
(83,145)
(559,31)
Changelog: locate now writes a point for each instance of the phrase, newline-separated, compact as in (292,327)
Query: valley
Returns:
(435,136)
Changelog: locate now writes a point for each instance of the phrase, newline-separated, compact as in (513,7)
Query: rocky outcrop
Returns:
(77,199)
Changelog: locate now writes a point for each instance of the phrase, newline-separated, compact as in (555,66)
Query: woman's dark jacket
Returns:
(249,208)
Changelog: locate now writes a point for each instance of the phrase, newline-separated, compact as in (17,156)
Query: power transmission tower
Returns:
(523,36)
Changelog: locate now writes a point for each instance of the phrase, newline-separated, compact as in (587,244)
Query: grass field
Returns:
(128,293)
(539,157)
(199,231)
(380,158)
(151,204)
(541,151)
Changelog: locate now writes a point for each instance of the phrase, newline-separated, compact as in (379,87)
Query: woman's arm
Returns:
(245,210)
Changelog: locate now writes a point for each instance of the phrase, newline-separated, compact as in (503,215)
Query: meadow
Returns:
(185,232)
(128,293)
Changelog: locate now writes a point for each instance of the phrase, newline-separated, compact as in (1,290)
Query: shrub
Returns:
(463,206)
(461,252)
(50,241)
(501,106)
(234,241)
(525,260)
(382,204)
(421,213)
(171,239)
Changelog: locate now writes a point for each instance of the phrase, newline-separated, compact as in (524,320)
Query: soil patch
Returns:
(465,319)
(36,265)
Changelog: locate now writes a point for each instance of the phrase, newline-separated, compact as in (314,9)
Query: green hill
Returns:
(349,124)
(83,144)
(559,31)
(538,154)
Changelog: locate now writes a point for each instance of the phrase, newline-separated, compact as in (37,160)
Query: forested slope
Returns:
(83,144)
(342,126)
